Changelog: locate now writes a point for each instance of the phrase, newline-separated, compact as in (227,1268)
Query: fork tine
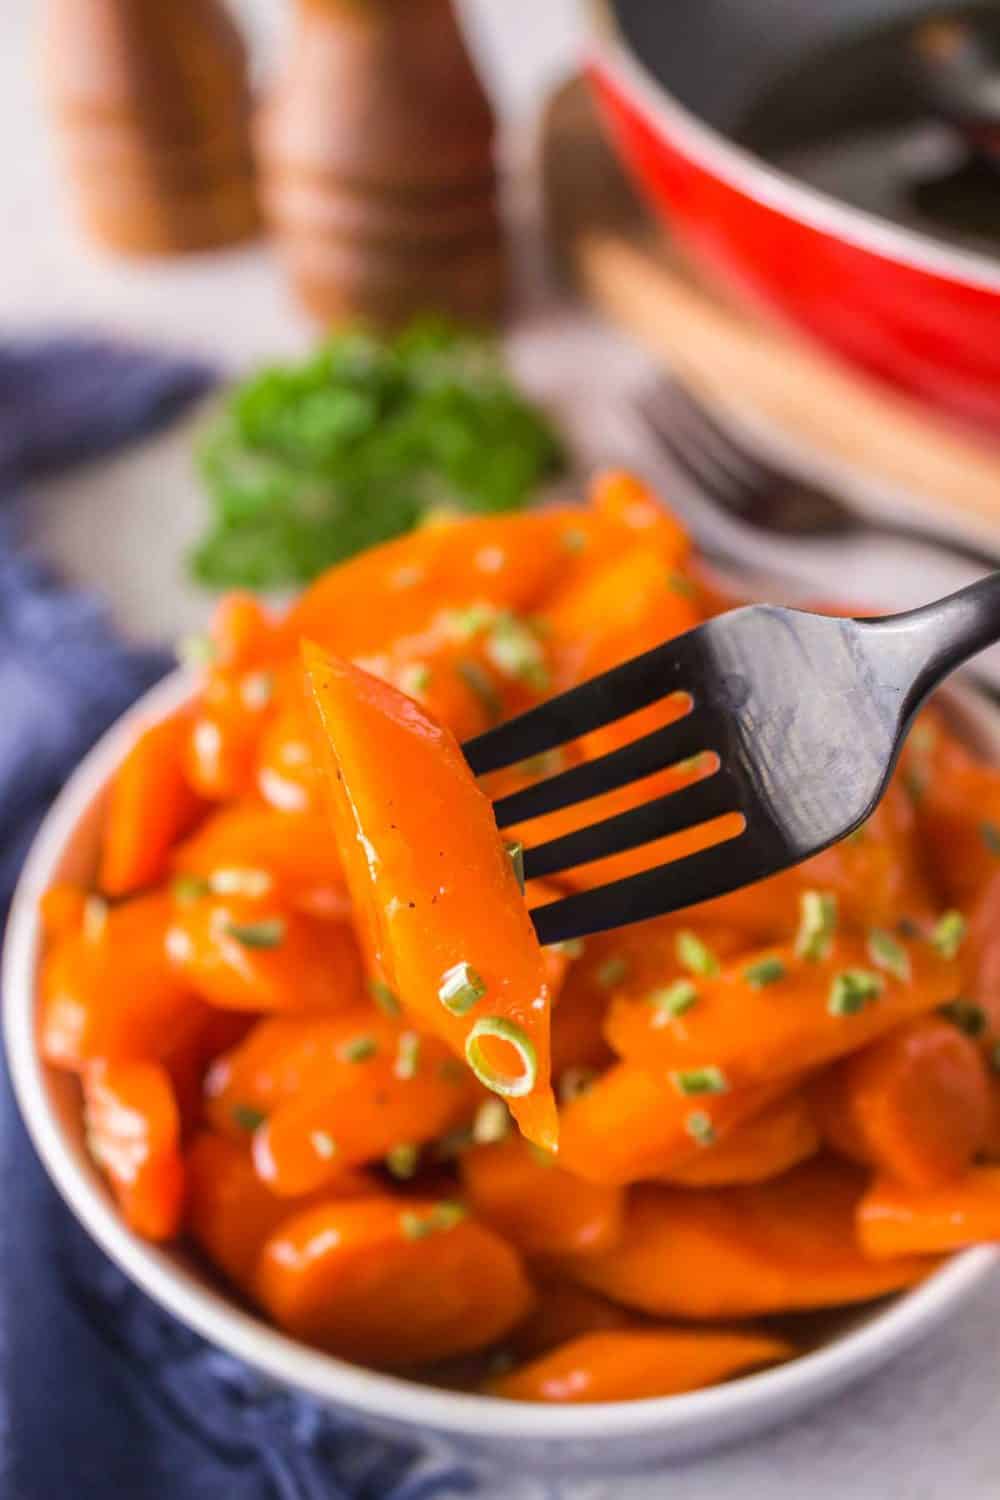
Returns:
(676,742)
(656,674)
(733,490)
(670,887)
(730,451)
(698,803)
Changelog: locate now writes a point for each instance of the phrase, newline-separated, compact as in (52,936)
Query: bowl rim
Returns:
(388,1398)
(610,55)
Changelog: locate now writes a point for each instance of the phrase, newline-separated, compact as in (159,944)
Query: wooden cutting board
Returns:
(624,265)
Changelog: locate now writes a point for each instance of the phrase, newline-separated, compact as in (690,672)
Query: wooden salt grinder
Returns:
(150,104)
(377,170)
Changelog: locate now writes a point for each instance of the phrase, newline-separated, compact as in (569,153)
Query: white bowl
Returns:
(613,1437)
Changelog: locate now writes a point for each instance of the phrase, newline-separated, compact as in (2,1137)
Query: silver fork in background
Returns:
(722,470)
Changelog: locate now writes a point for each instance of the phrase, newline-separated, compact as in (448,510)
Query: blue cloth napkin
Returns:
(101,1393)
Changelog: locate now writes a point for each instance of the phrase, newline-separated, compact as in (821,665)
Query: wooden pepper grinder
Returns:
(151,107)
(377,170)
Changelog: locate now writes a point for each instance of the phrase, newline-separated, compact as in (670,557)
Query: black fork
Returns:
(805,713)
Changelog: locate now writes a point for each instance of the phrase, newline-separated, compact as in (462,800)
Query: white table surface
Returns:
(929,1427)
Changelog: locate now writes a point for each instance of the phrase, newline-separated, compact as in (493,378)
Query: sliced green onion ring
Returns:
(510,1085)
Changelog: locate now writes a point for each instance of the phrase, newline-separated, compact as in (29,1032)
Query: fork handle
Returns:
(930,642)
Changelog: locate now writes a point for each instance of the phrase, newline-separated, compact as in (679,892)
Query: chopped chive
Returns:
(514,650)
(700,1128)
(463,624)
(765,971)
(545,764)
(492,1122)
(710,1080)
(247,1117)
(407,1055)
(990,834)
(948,932)
(384,997)
(357,1049)
(187,889)
(323,1144)
(478,682)
(266,934)
(402,1161)
(415,679)
(461,988)
(196,650)
(817,924)
(572,947)
(441,1217)
(95,918)
(887,954)
(515,853)
(612,972)
(694,955)
(969,1017)
(852,990)
(574,1082)
(511,1085)
(678,584)
(673,1000)
(235,881)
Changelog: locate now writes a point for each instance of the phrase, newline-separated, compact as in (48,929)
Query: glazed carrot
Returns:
(243,635)
(914,1105)
(189,1058)
(133,1133)
(109,990)
(766,1145)
(392,1282)
(741,1252)
(290,856)
(150,806)
(384,1086)
(230,1212)
(958,811)
(564,1312)
(252,955)
(991,1145)
(286,768)
(778,1012)
(225,729)
(426,864)
(395,591)
(627,1365)
(631,1124)
(624,498)
(62,909)
(895,1220)
(535,1204)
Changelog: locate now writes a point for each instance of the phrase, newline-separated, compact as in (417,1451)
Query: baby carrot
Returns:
(133,1133)
(896,1220)
(765,1146)
(150,805)
(537,1205)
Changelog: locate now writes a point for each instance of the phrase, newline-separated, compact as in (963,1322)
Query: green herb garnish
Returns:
(384,997)
(515,651)
(710,1080)
(611,973)
(478,682)
(673,1000)
(311,463)
(700,1128)
(886,953)
(442,1216)
(515,853)
(187,889)
(765,971)
(357,1049)
(694,955)
(511,1085)
(948,932)
(461,988)
(402,1161)
(267,934)
(247,1117)
(852,990)
(407,1055)
(817,924)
